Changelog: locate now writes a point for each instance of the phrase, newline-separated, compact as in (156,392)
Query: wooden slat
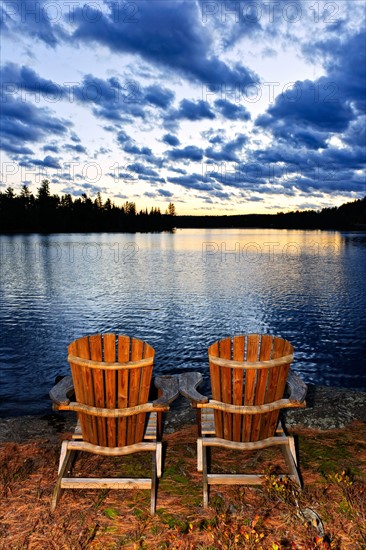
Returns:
(84,383)
(213,350)
(122,387)
(262,379)
(145,383)
(149,351)
(250,382)
(109,342)
(242,479)
(238,384)
(279,350)
(243,410)
(77,432)
(116,366)
(238,479)
(143,446)
(152,422)
(226,387)
(266,347)
(208,422)
(245,445)
(105,483)
(126,412)
(150,432)
(286,349)
(134,391)
(266,354)
(96,354)
(251,365)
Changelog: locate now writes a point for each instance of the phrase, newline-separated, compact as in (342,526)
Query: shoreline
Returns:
(327,409)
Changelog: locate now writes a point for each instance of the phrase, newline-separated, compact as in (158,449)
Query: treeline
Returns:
(46,213)
(351,215)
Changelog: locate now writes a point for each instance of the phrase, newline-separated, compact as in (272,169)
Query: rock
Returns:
(327,408)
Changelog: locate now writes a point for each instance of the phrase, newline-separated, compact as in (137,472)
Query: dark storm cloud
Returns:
(15,78)
(23,123)
(177,170)
(307,104)
(136,150)
(158,96)
(114,100)
(109,98)
(192,181)
(306,118)
(356,133)
(168,34)
(190,152)
(232,111)
(192,110)
(51,148)
(164,193)
(31,17)
(169,139)
(128,145)
(228,151)
(75,148)
(47,162)
(15,149)
(345,61)
(311,111)
(141,169)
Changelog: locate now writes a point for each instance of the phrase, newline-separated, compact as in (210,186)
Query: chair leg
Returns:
(289,453)
(154,481)
(204,476)
(199,454)
(66,459)
(291,442)
(159,453)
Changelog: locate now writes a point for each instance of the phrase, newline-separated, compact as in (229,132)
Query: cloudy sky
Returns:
(218,106)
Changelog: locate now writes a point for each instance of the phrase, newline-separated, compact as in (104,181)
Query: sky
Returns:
(221,107)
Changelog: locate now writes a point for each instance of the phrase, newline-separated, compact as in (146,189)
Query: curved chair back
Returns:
(111,372)
(248,370)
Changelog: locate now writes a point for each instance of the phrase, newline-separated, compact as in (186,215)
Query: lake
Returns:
(180,292)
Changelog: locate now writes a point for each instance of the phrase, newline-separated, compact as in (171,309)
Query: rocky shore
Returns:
(327,408)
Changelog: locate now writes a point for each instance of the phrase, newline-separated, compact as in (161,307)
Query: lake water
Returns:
(180,292)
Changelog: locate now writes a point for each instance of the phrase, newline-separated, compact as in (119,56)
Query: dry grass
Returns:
(333,466)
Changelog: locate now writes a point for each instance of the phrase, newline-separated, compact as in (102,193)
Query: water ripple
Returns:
(172,295)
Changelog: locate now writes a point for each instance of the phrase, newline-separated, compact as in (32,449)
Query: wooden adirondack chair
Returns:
(248,375)
(111,377)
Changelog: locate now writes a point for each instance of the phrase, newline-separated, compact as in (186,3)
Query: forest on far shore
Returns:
(46,213)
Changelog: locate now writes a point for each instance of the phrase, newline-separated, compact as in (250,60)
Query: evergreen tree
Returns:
(171,209)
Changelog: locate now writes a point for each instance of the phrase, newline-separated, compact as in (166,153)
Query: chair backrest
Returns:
(240,376)
(112,372)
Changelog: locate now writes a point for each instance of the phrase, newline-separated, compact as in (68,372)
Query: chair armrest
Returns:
(298,388)
(61,391)
(188,383)
(169,386)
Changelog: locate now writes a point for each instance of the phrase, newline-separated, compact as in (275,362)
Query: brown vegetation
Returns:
(329,513)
